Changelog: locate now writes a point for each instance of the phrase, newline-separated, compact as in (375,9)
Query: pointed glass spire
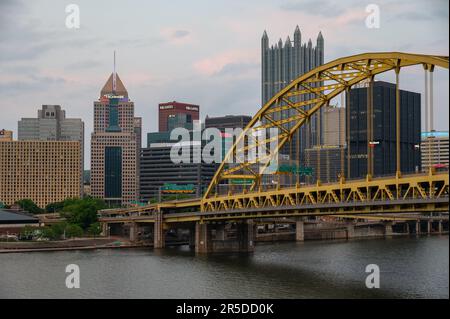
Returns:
(288,42)
(320,36)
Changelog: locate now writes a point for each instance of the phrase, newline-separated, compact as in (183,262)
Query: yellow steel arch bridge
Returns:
(298,102)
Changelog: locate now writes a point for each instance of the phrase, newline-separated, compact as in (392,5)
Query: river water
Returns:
(409,268)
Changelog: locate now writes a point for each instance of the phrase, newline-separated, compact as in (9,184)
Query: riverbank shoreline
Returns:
(118,243)
(73,244)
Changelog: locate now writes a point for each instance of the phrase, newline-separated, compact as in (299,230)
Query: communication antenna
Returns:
(114,74)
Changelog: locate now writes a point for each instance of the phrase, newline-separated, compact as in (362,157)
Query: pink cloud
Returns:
(215,64)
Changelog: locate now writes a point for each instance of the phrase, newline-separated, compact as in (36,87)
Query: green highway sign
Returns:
(241,181)
(293,169)
(175,188)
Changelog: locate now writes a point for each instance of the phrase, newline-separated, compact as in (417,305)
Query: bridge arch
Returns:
(303,97)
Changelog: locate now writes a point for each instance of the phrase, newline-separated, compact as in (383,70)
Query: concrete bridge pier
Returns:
(159,240)
(418,230)
(300,230)
(388,231)
(212,238)
(105,229)
(246,234)
(407,228)
(440,228)
(133,232)
(350,231)
(203,242)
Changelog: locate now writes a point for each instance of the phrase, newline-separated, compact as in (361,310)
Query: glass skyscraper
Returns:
(281,64)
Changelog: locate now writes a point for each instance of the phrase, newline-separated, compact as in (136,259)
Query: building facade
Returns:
(281,64)
(115,145)
(327,163)
(434,149)
(43,171)
(51,124)
(171,109)
(334,126)
(384,139)
(228,121)
(158,169)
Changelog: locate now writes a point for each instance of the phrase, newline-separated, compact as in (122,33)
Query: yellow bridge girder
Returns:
(394,195)
(301,99)
(377,190)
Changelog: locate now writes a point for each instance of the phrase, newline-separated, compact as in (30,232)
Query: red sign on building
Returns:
(173,108)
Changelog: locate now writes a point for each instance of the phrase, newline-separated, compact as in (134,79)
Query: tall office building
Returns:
(334,126)
(171,109)
(281,64)
(434,149)
(51,124)
(43,171)
(115,145)
(384,138)
(157,169)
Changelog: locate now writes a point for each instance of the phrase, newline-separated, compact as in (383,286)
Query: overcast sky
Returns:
(198,51)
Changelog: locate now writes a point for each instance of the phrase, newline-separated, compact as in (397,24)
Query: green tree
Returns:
(73,230)
(54,207)
(29,206)
(47,232)
(95,229)
(82,212)
(58,230)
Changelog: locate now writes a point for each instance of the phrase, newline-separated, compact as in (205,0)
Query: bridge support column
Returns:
(203,242)
(159,239)
(300,231)
(417,227)
(105,229)
(388,229)
(440,228)
(246,236)
(206,243)
(407,227)
(429,226)
(350,231)
(133,232)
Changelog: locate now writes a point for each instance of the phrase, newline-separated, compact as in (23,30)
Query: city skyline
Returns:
(251,156)
(46,63)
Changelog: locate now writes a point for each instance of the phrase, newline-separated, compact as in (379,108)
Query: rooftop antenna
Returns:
(114,74)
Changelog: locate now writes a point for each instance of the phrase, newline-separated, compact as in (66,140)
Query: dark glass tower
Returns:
(384,131)
(113,172)
(283,63)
